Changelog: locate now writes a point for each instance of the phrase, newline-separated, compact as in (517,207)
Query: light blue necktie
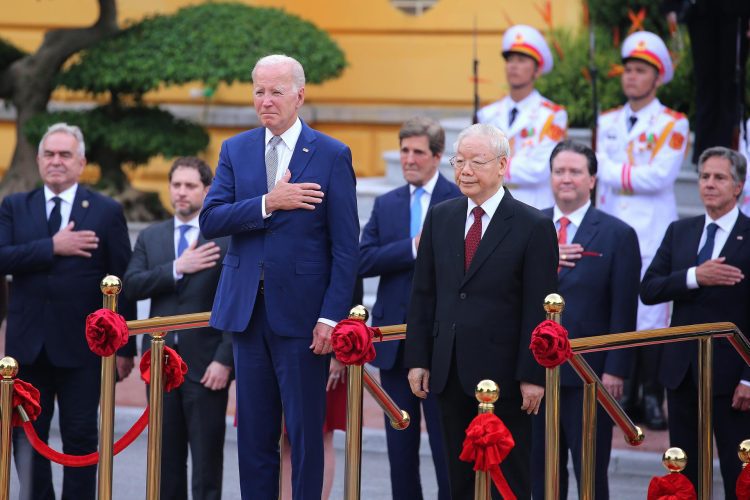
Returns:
(416,212)
(182,243)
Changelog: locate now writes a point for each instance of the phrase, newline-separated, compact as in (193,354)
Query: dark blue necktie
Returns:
(512,116)
(416,212)
(708,247)
(182,243)
(55,217)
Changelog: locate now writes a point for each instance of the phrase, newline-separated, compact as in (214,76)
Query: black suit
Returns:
(193,414)
(601,297)
(665,280)
(474,325)
(50,297)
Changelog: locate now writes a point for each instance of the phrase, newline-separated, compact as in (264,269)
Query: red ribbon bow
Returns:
(673,486)
(488,442)
(106,331)
(174,368)
(352,342)
(26,396)
(550,345)
(743,484)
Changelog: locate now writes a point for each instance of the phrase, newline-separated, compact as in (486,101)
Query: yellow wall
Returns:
(395,59)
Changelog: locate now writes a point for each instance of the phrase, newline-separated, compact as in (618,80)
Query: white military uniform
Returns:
(638,168)
(744,202)
(539,125)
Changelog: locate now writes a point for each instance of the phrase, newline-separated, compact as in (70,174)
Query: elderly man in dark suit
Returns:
(285,193)
(701,266)
(58,242)
(177,269)
(484,266)
(599,269)
(388,249)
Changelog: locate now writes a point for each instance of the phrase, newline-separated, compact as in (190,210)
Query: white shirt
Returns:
(428,188)
(191,235)
(575,217)
(726,223)
(66,205)
(284,149)
(489,207)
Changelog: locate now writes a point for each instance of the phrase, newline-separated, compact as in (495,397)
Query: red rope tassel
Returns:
(673,486)
(488,442)
(84,460)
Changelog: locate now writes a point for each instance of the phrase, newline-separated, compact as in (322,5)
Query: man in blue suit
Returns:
(58,242)
(388,249)
(285,193)
(600,264)
(702,266)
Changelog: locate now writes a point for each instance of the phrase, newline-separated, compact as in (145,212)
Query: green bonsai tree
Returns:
(212,43)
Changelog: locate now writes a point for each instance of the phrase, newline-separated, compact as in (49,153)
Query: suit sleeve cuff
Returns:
(263,207)
(328,322)
(414,248)
(177,276)
(691,280)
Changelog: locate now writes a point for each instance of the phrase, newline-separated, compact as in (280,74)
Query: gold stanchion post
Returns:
(674,460)
(553,306)
(8,370)
(353,453)
(110,287)
(705,417)
(155,398)
(743,451)
(588,445)
(487,393)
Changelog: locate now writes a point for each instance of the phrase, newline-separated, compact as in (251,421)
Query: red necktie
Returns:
(562,233)
(473,237)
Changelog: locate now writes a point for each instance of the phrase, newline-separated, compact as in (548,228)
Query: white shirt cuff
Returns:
(327,322)
(692,280)
(745,382)
(175,275)
(414,248)
(263,207)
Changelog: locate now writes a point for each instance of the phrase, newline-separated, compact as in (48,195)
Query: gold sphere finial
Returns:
(487,391)
(110,285)
(743,451)
(554,303)
(674,460)
(359,312)
(8,367)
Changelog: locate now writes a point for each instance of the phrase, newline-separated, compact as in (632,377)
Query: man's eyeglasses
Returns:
(460,163)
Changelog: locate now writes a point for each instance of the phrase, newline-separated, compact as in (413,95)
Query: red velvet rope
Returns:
(550,345)
(352,342)
(26,396)
(743,484)
(488,442)
(106,331)
(174,368)
(84,460)
(673,486)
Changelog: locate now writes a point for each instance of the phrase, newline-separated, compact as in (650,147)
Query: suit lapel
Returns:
(692,240)
(457,225)
(401,215)
(38,210)
(500,226)
(584,234)
(737,237)
(303,152)
(81,206)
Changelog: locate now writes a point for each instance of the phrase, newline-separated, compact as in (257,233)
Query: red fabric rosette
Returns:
(26,396)
(106,331)
(352,342)
(488,442)
(550,344)
(673,486)
(743,484)
(174,368)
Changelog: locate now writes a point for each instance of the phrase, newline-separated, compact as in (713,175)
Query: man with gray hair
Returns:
(285,195)
(484,266)
(388,249)
(58,241)
(701,266)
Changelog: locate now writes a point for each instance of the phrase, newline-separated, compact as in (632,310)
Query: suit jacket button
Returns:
(462,295)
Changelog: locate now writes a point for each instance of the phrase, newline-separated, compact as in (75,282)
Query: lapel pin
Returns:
(739,237)
(85,203)
(305,150)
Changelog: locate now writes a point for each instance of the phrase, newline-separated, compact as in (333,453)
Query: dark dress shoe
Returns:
(653,414)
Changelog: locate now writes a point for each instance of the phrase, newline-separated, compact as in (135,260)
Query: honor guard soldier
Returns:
(640,148)
(533,124)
